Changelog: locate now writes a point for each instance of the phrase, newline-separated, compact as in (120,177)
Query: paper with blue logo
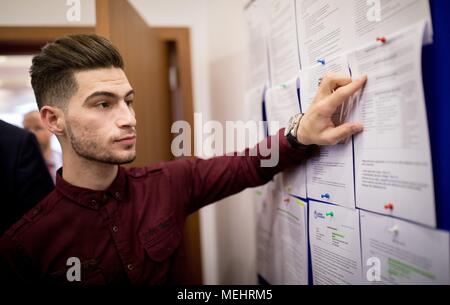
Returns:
(335,244)
(406,253)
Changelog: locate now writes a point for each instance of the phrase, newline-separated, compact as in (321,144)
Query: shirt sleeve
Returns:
(204,181)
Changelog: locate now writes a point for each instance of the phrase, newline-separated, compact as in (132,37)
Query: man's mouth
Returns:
(127,140)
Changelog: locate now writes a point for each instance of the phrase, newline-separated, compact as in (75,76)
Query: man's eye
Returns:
(103,105)
(129,103)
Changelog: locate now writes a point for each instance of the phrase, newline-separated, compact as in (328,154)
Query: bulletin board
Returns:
(435,70)
(436,79)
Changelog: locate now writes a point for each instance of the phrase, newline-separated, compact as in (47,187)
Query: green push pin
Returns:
(331,214)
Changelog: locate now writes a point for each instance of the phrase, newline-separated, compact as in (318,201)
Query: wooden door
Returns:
(146,65)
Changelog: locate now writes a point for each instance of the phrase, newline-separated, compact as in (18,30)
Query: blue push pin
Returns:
(326,196)
(321,61)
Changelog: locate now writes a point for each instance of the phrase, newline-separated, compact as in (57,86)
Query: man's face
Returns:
(100,121)
(33,123)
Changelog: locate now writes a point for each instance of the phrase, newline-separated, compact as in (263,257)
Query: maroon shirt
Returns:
(131,231)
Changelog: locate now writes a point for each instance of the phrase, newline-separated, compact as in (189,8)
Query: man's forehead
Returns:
(105,79)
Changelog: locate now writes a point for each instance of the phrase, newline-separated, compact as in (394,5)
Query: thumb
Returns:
(332,136)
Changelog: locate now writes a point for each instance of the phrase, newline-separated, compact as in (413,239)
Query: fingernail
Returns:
(358,128)
(363,78)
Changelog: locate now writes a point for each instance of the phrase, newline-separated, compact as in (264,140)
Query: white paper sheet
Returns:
(329,28)
(392,156)
(281,104)
(330,175)
(294,181)
(335,244)
(282,41)
(253,113)
(282,239)
(406,253)
(257,16)
(266,213)
(311,77)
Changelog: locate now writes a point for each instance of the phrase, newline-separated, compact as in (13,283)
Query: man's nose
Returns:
(126,117)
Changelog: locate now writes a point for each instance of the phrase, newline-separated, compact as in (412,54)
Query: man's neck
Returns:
(88,174)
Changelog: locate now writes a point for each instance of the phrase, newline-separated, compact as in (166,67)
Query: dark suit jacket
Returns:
(24,177)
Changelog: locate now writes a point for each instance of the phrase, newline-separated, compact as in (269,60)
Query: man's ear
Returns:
(53,119)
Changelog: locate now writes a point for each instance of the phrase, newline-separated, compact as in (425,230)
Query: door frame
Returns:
(192,243)
(29,40)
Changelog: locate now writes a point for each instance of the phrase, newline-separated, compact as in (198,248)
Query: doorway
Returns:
(159,70)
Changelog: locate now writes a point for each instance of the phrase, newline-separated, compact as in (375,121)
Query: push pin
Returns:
(393,230)
(331,214)
(382,39)
(321,61)
(287,200)
(389,206)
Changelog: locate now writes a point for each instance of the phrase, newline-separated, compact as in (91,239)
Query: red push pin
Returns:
(287,200)
(389,206)
(381,39)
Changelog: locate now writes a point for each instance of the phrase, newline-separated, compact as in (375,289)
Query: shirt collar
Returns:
(91,198)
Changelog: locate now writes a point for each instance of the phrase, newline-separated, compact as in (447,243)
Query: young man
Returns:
(33,123)
(124,225)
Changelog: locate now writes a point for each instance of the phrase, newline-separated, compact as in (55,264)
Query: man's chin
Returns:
(118,160)
(127,161)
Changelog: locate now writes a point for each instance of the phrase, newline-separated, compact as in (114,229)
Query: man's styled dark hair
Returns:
(52,70)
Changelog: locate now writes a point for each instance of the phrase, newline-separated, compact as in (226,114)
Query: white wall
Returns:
(235,219)
(44,13)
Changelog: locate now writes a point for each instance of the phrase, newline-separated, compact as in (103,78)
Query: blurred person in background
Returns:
(33,123)
(24,179)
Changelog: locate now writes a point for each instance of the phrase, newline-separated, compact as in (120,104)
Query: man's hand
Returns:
(316,126)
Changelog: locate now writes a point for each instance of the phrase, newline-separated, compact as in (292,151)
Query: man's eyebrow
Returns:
(107,93)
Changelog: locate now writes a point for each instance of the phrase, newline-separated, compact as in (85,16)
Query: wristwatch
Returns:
(291,131)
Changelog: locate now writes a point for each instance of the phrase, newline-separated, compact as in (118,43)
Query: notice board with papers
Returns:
(371,210)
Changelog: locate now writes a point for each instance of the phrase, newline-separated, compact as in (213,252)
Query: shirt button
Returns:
(117,195)
(93,204)
(115,229)
(130,267)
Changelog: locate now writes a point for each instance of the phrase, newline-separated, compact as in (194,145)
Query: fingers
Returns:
(343,93)
(331,82)
(336,135)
